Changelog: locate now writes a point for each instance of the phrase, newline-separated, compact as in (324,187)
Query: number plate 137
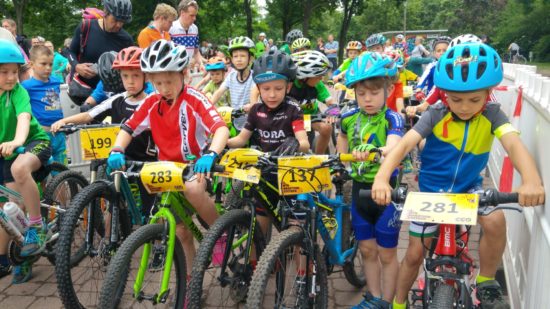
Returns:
(442,208)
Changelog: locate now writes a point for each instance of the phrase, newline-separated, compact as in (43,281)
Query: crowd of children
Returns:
(276,91)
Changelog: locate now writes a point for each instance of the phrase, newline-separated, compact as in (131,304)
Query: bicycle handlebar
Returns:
(71,128)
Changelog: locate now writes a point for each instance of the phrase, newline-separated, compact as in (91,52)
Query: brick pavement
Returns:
(41,291)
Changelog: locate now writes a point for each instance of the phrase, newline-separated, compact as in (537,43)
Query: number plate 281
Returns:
(442,208)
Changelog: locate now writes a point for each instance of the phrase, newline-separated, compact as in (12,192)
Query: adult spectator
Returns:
(65,51)
(400,43)
(59,68)
(11,26)
(260,45)
(320,45)
(103,35)
(38,41)
(185,32)
(163,17)
(418,57)
(331,50)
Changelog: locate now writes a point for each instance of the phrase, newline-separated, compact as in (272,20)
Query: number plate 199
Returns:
(442,208)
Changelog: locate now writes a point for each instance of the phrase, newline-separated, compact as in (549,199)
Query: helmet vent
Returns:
(466,52)
(482,51)
(449,69)
(465,70)
(481,69)
(165,63)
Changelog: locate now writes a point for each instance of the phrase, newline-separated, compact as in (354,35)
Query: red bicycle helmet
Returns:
(128,58)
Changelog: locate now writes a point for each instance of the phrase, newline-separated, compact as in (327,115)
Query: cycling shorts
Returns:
(382,222)
(39,148)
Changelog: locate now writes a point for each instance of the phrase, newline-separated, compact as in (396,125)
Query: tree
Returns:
(350,8)
(19,6)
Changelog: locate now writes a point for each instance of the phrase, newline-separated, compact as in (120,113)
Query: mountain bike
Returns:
(448,268)
(294,260)
(51,213)
(149,268)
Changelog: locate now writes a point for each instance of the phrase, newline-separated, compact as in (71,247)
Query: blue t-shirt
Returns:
(45,101)
(333,45)
(100,95)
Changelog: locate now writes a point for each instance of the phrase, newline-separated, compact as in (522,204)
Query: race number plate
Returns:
(249,175)
(442,208)
(307,122)
(407,91)
(163,176)
(225,113)
(237,159)
(97,142)
(295,175)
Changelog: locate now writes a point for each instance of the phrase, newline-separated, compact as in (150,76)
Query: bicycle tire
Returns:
(520,59)
(117,273)
(444,297)
(354,276)
(233,199)
(75,220)
(75,182)
(286,240)
(237,274)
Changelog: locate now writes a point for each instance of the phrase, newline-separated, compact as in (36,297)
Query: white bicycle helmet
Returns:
(464,38)
(311,63)
(164,56)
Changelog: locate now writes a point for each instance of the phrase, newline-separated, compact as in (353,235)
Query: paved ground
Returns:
(41,291)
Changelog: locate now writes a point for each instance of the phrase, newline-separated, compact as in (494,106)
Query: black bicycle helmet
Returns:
(290,146)
(293,35)
(120,9)
(274,65)
(112,82)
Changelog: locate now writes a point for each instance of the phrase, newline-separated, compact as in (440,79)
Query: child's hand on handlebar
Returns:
(411,111)
(361,152)
(7,148)
(57,125)
(381,192)
(531,195)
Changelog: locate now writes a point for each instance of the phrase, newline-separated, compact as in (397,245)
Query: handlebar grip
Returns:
(347,157)
(365,194)
(218,168)
(507,198)
(398,195)
(20,150)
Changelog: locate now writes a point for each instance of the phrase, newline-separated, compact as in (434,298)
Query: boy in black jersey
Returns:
(277,117)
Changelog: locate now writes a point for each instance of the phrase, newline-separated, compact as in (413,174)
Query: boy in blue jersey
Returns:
(44,91)
(372,125)
(458,137)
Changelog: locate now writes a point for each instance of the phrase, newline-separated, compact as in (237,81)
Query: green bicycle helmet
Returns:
(242,42)
(300,43)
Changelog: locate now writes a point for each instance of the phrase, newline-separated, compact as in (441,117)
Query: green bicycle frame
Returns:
(170,202)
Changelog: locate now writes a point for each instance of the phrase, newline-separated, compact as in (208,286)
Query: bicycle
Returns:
(50,212)
(339,250)
(153,249)
(448,268)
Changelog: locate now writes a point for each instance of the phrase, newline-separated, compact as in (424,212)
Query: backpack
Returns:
(87,15)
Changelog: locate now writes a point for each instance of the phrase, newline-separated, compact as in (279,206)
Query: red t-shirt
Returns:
(178,129)
(394,95)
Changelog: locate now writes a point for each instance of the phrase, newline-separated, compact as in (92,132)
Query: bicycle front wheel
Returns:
(118,287)
(278,281)
(220,277)
(354,269)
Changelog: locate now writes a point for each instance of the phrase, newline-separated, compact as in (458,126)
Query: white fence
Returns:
(527,256)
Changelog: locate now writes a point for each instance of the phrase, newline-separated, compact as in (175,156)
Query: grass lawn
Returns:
(542,67)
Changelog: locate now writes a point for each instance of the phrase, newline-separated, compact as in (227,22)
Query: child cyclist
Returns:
(216,69)
(308,88)
(20,128)
(300,44)
(373,125)
(291,36)
(277,117)
(180,119)
(466,73)
(120,108)
(375,43)
(239,82)
(44,91)
(353,49)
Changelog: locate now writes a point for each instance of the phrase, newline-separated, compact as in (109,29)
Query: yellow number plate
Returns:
(163,176)
(249,175)
(236,159)
(307,122)
(407,91)
(294,177)
(225,113)
(97,142)
(443,208)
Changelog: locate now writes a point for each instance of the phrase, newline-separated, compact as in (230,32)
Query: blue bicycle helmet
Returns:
(375,39)
(215,63)
(468,67)
(370,65)
(10,52)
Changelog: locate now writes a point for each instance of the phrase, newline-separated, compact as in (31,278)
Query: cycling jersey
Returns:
(361,128)
(186,37)
(307,96)
(180,128)
(406,75)
(457,151)
(397,93)
(285,48)
(211,88)
(343,67)
(275,125)
(426,81)
(142,147)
